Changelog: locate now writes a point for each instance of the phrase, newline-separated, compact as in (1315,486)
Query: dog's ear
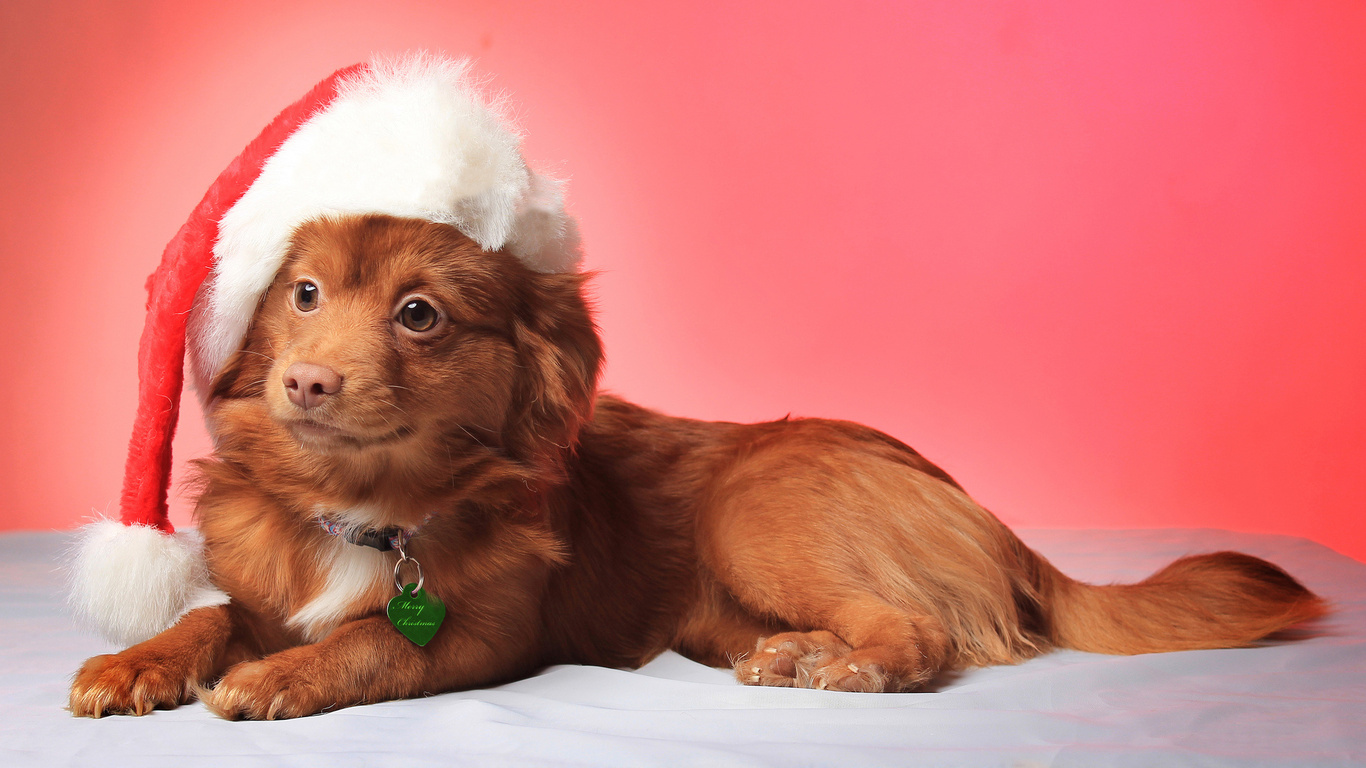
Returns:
(559,355)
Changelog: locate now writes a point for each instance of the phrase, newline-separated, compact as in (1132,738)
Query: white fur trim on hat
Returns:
(130,582)
(410,137)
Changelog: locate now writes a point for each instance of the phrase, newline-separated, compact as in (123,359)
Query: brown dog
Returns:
(395,376)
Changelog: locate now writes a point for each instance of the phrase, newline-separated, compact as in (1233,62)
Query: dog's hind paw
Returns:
(790,659)
(844,675)
(819,660)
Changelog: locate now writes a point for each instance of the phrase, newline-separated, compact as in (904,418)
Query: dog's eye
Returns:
(417,315)
(306,296)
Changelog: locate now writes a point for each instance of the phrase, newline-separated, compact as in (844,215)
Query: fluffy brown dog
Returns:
(395,375)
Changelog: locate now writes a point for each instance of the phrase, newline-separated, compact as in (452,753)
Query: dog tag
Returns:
(416,614)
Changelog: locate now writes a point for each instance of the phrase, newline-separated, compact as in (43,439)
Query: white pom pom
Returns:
(130,582)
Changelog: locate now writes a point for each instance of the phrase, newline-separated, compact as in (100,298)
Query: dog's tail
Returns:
(1219,600)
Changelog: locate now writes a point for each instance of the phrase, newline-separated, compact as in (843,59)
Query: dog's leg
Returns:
(361,662)
(875,647)
(718,632)
(158,673)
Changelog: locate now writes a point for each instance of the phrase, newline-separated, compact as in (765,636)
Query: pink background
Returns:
(1104,262)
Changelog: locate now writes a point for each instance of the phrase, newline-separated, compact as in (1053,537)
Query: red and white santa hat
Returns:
(411,137)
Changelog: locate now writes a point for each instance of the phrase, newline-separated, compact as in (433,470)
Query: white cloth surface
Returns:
(1298,702)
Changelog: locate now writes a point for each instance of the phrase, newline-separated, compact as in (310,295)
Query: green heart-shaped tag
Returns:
(416,614)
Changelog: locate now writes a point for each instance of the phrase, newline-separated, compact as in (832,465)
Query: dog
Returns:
(399,382)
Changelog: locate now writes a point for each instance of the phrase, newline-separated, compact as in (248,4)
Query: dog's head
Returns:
(388,345)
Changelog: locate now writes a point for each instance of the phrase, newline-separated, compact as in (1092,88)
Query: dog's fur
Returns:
(560,526)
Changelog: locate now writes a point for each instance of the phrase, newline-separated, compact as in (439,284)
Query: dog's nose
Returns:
(308,385)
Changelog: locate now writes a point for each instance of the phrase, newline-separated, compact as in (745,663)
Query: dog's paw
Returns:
(274,688)
(819,660)
(851,673)
(790,659)
(127,684)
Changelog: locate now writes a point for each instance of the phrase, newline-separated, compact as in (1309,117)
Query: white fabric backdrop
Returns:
(1300,702)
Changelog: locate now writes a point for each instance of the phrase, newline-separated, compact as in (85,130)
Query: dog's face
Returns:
(392,344)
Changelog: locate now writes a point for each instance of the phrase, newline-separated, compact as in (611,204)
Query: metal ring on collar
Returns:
(398,584)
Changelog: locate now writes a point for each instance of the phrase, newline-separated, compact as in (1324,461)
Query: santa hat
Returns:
(410,137)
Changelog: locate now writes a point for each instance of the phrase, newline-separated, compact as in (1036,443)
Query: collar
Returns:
(383,539)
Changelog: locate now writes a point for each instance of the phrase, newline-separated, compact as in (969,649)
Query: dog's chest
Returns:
(352,580)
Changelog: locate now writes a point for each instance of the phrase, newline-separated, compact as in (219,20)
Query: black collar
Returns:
(384,539)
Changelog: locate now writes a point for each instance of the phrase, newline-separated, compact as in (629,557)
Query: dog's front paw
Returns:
(273,688)
(127,684)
